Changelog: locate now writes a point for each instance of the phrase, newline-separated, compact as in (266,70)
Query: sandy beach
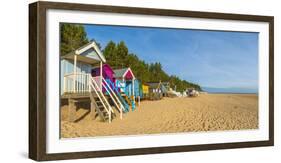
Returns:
(208,112)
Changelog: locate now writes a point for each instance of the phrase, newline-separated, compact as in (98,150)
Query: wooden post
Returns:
(75,71)
(71,109)
(109,117)
(64,84)
(89,82)
(83,82)
(101,76)
(93,110)
(124,84)
(133,88)
(121,113)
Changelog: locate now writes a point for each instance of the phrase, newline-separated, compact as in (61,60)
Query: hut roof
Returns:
(161,85)
(121,73)
(106,69)
(153,84)
(89,53)
(165,83)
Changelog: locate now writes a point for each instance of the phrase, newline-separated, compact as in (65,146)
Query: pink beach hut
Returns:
(124,80)
(107,73)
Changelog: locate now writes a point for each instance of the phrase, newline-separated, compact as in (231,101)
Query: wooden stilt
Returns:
(71,110)
(101,76)
(93,110)
(75,72)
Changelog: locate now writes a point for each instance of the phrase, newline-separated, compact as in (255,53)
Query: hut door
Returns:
(94,73)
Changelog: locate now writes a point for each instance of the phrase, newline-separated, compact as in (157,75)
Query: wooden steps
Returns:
(130,101)
(98,107)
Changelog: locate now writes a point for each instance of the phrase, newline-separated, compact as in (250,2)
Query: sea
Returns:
(230,90)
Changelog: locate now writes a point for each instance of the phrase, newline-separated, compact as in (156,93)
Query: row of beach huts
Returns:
(85,76)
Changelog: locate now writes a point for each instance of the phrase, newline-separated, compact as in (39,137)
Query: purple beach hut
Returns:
(107,73)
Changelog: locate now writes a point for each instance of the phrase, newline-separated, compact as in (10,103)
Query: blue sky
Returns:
(214,59)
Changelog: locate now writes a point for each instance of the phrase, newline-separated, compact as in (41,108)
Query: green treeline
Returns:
(118,56)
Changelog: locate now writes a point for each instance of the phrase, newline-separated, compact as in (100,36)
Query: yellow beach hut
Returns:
(145,90)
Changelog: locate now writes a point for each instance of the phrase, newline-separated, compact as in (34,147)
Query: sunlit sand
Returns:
(208,112)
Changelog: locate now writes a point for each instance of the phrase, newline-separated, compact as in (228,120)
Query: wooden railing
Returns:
(78,83)
(96,88)
(113,96)
(85,83)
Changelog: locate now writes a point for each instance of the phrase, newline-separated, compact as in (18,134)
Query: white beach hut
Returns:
(78,84)
(76,68)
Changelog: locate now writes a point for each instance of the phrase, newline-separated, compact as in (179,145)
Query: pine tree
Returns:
(72,37)
(121,54)
(110,53)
